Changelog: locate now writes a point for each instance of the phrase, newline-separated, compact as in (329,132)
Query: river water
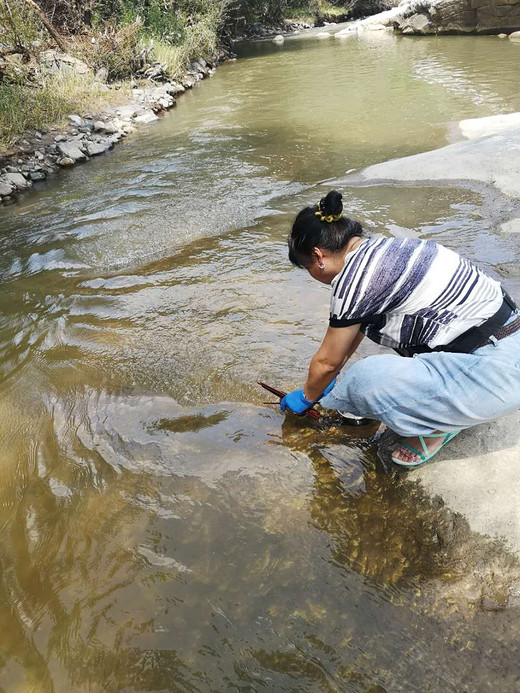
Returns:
(161,528)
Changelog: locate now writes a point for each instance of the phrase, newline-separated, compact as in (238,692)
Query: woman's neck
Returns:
(352,245)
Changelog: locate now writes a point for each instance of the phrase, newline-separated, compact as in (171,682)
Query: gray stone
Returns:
(60,138)
(175,88)
(95,148)
(66,161)
(148,117)
(5,189)
(76,120)
(16,180)
(129,111)
(99,126)
(110,128)
(71,150)
(56,61)
(37,175)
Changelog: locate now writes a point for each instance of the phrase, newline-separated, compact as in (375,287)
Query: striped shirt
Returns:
(409,293)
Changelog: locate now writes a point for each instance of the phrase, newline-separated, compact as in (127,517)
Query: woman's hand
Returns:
(297,402)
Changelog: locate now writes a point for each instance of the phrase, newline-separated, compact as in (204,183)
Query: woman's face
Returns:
(324,265)
(319,273)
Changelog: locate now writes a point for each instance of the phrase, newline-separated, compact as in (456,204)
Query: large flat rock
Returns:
(491,125)
(494,160)
(478,475)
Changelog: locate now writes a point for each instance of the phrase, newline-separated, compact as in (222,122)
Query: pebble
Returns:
(66,161)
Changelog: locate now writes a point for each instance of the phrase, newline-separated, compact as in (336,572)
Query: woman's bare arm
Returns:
(336,349)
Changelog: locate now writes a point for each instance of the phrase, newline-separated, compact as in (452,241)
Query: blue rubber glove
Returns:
(296,401)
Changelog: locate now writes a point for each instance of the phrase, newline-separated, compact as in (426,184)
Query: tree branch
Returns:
(48,25)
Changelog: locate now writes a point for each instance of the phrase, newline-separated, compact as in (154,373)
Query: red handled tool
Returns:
(346,419)
(279,393)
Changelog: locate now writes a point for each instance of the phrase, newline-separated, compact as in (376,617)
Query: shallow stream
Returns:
(161,528)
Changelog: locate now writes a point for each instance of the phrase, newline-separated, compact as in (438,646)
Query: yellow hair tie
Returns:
(328,218)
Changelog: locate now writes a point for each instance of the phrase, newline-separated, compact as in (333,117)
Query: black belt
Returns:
(503,332)
(475,337)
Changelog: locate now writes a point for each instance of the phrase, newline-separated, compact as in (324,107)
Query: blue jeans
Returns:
(439,391)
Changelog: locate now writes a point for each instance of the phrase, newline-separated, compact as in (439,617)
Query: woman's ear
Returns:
(318,257)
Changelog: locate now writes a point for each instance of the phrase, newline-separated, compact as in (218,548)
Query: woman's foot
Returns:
(407,456)
(414,451)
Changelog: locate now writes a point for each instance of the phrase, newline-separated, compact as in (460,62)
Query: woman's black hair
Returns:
(322,226)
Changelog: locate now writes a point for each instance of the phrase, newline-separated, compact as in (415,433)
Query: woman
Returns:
(458,326)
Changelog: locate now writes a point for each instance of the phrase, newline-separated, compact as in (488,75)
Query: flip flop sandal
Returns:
(426,455)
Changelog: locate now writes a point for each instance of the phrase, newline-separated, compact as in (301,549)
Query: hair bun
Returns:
(332,204)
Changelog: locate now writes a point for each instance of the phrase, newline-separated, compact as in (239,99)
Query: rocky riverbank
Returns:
(40,153)
(425,17)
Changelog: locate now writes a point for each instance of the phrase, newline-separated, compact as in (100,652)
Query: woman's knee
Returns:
(366,386)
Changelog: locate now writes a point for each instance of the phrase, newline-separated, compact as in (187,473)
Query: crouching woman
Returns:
(457,328)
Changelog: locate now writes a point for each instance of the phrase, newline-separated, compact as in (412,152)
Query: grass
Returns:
(200,41)
(300,14)
(323,9)
(24,108)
